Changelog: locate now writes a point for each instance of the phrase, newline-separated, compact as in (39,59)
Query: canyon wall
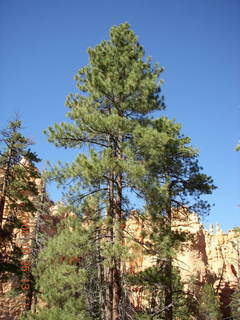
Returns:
(211,256)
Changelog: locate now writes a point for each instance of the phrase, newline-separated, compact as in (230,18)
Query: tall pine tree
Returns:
(66,274)
(17,185)
(119,91)
(18,199)
(172,189)
(126,152)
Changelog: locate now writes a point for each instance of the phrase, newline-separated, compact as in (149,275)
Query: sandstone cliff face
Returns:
(44,223)
(211,256)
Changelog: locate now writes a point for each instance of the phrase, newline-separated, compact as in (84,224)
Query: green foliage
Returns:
(123,150)
(66,274)
(235,298)
(17,184)
(153,281)
(172,187)
(118,90)
(235,303)
(209,305)
(173,174)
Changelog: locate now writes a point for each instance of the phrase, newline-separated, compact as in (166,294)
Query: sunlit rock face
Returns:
(208,257)
(25,238)
(211,256)
(12,307)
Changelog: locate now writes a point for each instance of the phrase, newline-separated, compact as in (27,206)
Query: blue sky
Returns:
(44,43)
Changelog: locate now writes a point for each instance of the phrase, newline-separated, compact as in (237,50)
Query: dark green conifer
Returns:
(209,305)
(172,189)
(18,192)
(124,151)
(66,275)
(119,89)
(235,303)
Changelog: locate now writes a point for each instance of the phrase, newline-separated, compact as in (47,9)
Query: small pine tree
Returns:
(235,298)
(17,185)
(209,308)
(66,274)
(172,189)
(18,196)
(235,303)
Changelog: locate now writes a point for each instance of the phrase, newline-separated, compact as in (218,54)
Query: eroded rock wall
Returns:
(211,256)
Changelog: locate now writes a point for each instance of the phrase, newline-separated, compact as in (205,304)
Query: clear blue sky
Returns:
(43,44)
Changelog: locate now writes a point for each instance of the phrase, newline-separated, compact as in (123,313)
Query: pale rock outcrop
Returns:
(208,257)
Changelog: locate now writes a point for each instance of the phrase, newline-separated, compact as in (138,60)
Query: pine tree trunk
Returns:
(3,201)
(116,290)
(2,205)
(113,273)
(34,303)
(108,272)
(168,291)
(3,198)
(102,296)
(168,270)
(108,303)
(4,188)
(117,261)
(30,292)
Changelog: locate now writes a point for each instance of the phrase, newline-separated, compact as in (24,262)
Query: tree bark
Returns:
(108,272)
(116,290)
(102,296)
(118,233)
(168,269)
(2,205)
(113,273)
(4,189)
(168,291)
